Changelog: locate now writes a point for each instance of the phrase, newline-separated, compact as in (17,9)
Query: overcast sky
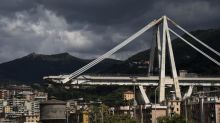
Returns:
(89,28)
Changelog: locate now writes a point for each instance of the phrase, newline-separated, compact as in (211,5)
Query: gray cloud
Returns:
(88,28)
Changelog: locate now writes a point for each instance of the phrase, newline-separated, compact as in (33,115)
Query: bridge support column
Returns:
(162,64)
(144,95)
(158,47)
(189,92)
(151,64)
(172,62)
(177,88)
(166,38)
(162,90)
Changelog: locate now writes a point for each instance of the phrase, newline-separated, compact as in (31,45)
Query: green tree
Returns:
(102,111)
(120,119)
(174,119)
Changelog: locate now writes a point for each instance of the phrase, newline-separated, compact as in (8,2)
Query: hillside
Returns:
(33,67)
(188,58)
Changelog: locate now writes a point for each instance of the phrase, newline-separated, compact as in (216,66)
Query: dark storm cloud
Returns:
(114,12)
(99,11)
(88,28)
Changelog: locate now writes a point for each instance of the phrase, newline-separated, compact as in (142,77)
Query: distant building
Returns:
(6,109)
(79,110)
(128,95)
(85,117)
(40,96)
(30,119)
(1,106)
(3,103)
(20,88)
(173,106)
(20,104)
(126,110)
(202,110)
(183,73)
(28,95)
(32,108)
(152,112)
(4,94)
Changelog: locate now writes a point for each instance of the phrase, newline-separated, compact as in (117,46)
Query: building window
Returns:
(177,109)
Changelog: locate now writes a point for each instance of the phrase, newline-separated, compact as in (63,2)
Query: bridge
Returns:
(139,80)
(161,49)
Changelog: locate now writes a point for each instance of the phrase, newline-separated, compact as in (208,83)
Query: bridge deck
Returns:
(140,80)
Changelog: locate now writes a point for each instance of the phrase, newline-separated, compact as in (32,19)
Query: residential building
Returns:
(4,94)
(129,110)
(85,117)
(40,96)
(152,112)
(30,119)
(32,108)
(173,106)
(1,105)
(128,95)
(27,95)
(6,109)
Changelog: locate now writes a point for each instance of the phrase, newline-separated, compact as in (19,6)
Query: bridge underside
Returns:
(140,80)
